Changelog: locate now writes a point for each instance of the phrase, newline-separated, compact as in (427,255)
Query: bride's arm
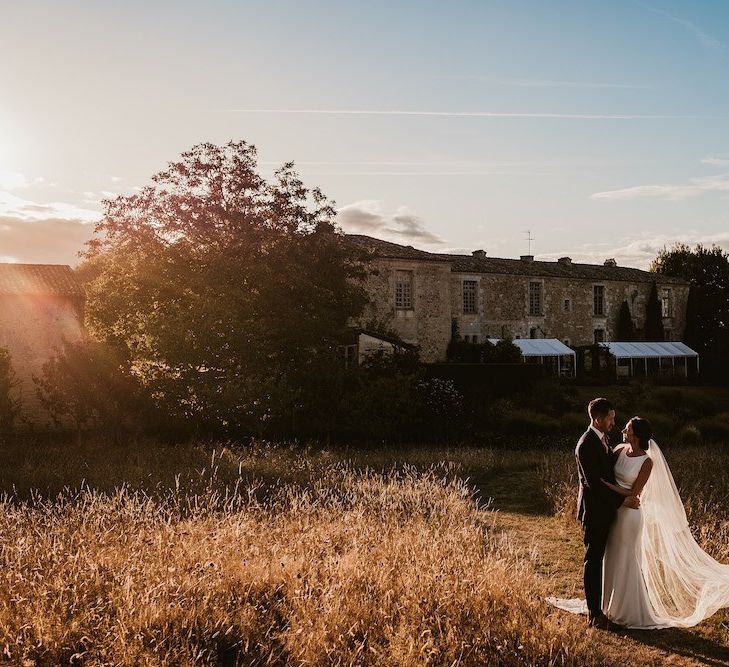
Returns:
(640,480)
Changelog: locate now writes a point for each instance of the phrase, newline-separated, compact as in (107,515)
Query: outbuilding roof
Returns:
(47,279)
(484,264)
(641,350)
(540,347)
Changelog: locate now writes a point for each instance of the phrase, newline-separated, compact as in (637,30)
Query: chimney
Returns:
(527,258)
(610,262)
(479,254)
(565,260)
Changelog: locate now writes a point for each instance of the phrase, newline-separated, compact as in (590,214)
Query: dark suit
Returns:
(596,507)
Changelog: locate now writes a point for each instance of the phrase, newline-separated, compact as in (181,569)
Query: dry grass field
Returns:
(211,555)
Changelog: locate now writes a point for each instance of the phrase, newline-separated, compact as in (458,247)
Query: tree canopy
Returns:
(223,289)
(707,317)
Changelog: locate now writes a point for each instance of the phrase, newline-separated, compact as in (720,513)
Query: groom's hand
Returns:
(632,501)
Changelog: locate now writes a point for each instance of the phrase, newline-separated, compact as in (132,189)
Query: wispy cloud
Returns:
(38,232)
(546,83)
(707,40)
(25,209)
(367,217)
(717,161)
(637,252)
(695,187)
(46,240)
(472,114)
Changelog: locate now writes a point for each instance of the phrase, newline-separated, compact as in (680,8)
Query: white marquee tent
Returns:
(546,348)
(627,354)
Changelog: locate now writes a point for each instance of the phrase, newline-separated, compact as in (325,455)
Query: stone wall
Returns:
(30,328)
(503,306)
(428,322)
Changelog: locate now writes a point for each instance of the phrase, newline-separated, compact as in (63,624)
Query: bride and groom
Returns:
(642,567)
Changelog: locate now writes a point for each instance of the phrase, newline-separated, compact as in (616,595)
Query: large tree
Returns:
(226,290)
(707,318)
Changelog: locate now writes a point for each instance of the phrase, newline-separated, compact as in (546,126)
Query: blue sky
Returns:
(599,126)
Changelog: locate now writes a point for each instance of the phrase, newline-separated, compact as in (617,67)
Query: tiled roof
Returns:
(471,264)
(55,279)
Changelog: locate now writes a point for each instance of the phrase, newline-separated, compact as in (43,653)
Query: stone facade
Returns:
(499,298)
(40,307)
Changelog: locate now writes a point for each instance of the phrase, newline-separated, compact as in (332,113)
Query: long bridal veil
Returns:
(685,585)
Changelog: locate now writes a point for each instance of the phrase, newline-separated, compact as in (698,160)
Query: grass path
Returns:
(554,544)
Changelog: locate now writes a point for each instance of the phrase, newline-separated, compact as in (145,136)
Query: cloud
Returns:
(43,233)
(637,252)
(24,209)
(12,180)
(546,83)
(412,227)
(43,241)
(472,114)
(366,217)
(717,161)
(706,40)
(673,192)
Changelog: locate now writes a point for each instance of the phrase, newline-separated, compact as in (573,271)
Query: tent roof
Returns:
(540,347)
(641,350)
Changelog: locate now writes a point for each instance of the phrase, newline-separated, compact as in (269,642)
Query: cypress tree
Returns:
(653,317)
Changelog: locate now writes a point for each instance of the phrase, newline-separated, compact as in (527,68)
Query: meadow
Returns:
(218,554)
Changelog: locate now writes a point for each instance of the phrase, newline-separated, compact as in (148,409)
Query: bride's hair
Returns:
(642,430)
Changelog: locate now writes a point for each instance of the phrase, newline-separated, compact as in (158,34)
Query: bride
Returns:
(655,574)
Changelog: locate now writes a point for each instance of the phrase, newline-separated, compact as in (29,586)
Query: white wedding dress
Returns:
(655,575)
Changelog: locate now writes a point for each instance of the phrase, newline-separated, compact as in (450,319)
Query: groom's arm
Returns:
(589,462)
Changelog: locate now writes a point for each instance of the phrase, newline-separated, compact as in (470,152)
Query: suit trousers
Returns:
(595,535)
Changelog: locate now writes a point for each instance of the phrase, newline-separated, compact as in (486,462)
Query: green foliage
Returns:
(224,289)
(88,385)
(625,329)
(501,352)
(9,405)
(653,317)
(707,269)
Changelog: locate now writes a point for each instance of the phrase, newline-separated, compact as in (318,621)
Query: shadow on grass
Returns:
(685,643)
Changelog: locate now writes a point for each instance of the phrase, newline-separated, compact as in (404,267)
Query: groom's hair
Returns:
(599,408)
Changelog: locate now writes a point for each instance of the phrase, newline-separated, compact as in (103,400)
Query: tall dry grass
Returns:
(272,558)
(702,477)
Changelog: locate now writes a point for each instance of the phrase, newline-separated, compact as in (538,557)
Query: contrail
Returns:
(470,114)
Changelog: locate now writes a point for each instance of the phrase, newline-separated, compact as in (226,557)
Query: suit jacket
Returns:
(595,501)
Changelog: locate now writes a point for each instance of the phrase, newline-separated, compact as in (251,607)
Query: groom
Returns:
(596,503)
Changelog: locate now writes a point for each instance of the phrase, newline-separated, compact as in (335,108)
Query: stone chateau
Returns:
(419,293)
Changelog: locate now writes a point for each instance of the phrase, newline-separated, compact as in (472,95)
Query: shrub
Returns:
(715,429)
(523,421)
(690,435)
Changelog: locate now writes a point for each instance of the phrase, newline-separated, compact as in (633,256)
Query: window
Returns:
(667,335)
(566,341)
(567,306)
(599,335)
(535,298)
(533,332)
(474,338)
(470,288)
(350,355)
(598,293)
(666,310)
(404,290)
